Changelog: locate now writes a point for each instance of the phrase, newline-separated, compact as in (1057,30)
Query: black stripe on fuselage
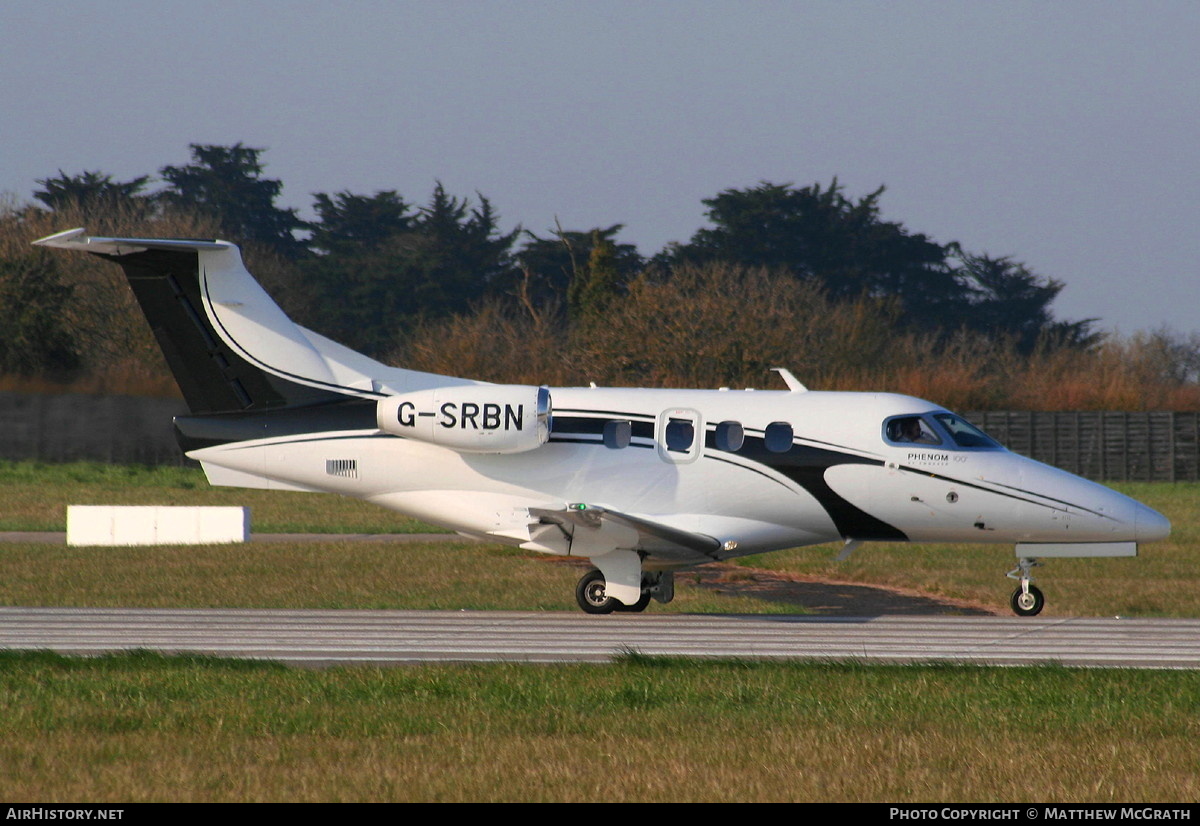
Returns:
(803,464)
(604,415)
(1005,493)
(590,426)
(806,465)
(194,432)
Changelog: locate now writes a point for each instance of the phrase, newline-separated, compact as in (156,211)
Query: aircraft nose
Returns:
(1150,525)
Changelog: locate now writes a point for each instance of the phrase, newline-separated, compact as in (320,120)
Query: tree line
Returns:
(807,277)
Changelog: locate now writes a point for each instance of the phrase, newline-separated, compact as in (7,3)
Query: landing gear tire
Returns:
(1028,604)
(591,596)
(638,606)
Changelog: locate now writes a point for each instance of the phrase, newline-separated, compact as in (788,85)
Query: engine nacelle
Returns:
(481,418)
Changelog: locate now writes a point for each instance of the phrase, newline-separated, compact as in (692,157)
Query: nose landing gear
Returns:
(1027,600)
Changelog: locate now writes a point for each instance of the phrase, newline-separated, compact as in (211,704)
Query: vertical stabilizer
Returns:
(228,344)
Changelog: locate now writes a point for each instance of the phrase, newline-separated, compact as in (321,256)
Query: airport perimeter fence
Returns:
(1108,446)
(1101,445)
(76,427)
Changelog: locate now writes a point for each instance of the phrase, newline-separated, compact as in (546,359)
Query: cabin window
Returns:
(680,434)
(676,435)
(911,430)
(729,436)
(778,437)
(617,434)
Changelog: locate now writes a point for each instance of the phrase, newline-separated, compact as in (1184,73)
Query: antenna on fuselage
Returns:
(791,381)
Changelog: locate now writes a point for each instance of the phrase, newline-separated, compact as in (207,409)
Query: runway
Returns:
(327,638)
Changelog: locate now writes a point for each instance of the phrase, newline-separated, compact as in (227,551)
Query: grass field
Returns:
(146,728)
(35,496)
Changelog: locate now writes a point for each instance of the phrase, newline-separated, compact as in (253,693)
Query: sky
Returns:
(1064,134)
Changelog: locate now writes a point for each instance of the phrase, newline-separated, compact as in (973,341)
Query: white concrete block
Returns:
(156,525)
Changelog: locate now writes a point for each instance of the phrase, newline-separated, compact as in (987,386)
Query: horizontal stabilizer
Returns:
(78,239)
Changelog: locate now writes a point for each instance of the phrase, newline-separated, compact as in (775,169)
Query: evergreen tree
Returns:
(593,289)
(89,191)
(1010,300)
(552,264)
(349,223)
(446,256)
(227,182)
(818,234)
(37,339)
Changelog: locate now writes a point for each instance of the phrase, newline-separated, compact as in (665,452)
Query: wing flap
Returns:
(655,538)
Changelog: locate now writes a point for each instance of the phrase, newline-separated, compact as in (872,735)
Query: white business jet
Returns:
(643,482)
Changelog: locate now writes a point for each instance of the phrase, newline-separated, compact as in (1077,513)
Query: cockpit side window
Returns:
(911,430)
(963,432)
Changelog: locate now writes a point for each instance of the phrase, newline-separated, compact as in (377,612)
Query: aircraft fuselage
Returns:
(812,467)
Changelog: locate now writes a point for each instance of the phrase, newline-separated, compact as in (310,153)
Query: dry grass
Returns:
(319,575)
(34,497)
(144,729)
(124,379)
(726,326)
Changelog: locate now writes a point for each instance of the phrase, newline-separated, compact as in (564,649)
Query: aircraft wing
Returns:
(579,521)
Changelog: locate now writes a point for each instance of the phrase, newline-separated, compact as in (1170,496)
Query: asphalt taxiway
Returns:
(345,637)
(348,637)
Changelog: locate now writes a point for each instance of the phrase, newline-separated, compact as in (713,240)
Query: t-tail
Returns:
(245,369)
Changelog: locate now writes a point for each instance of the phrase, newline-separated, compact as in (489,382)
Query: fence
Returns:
(76,427)
(1102,445)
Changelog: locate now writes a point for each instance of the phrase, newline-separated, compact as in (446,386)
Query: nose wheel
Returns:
(1027,600)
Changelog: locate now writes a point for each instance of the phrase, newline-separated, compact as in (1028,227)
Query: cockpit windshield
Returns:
(963,432)
(945,429)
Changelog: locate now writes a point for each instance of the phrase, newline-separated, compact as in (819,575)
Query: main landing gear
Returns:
(1027,600)
(592,598)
